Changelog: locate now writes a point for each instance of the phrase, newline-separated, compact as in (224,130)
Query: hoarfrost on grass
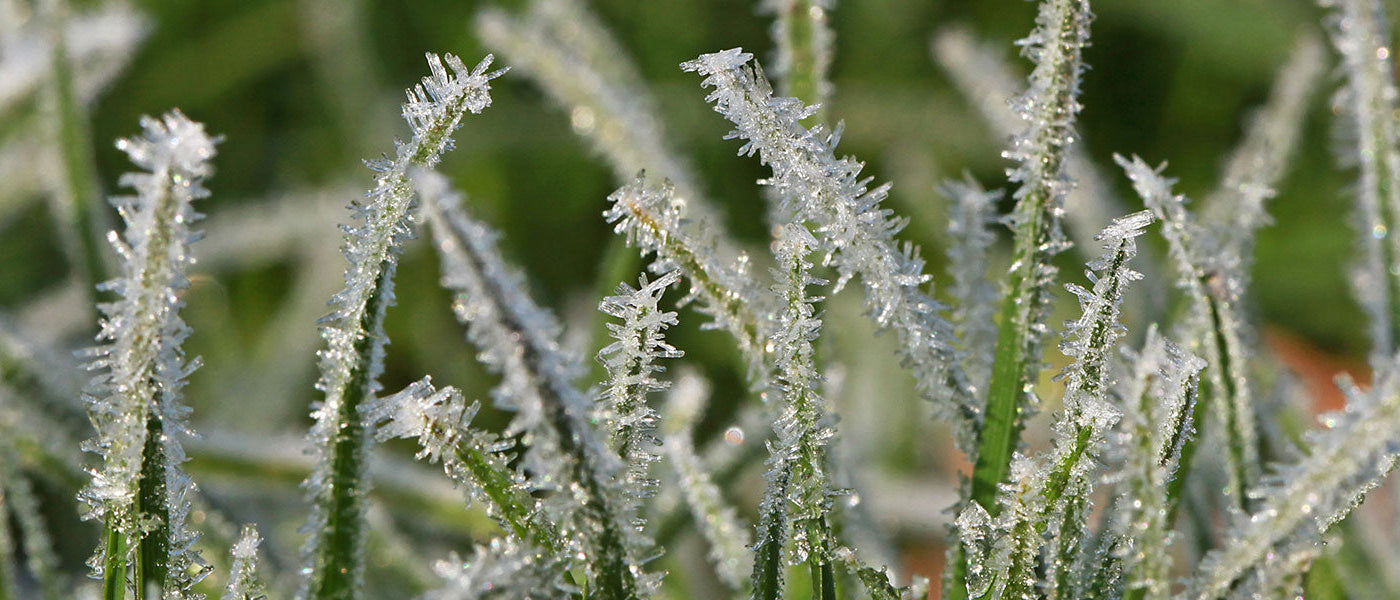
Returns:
(855,233)
(134,402)
(354,332)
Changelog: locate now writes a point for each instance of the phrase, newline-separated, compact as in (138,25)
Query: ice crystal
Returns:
(477,460)
(1090,339)
(354,332)
(243,582)
(503,570)
(654,220)
(975,296)
(1213,323)
(1361,33)
(974,527)
(588,492)
(856,233)
(135,401)
(1088,414)
(1016,552)
(1299,502)
(1049,108)
(631,364)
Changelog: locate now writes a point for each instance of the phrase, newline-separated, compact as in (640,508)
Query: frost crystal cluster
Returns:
(140,492)
(854,230)
(585,480)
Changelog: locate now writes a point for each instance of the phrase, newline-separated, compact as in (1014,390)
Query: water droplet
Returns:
(734,436)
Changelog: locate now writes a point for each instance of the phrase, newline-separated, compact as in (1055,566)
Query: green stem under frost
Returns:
(355,338)
(1063,29)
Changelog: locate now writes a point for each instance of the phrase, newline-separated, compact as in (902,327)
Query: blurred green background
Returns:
(304,90)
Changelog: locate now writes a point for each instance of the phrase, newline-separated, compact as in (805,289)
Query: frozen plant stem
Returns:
(354,332)
(243,582)
(140,492)
(1050,105)
(655,220)
(1088,413)
(1346,459)
(797,465)
(589,496)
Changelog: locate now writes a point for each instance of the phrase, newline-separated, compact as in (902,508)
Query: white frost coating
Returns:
(1361,33)
(353,359)
(437,418)
(142,368)
(975,296)
(804,429)
(855,231)
(243,582)
(503,570)
(655,220)
(1214,328)
(562,46)
(589,494)
(1067,480)
(632,369)
(990,85)
(1348,456)
(1235,209)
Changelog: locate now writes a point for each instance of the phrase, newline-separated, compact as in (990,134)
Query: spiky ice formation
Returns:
(1214,327)
(243,581)
(1351,454)
(1088,412)
(477,460)
(655,220)
(988,83)
(631,363)
(1049,107)
(588,491)
(799,491)
(854,230)
(139,491)
(1361,33)
(354,332)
